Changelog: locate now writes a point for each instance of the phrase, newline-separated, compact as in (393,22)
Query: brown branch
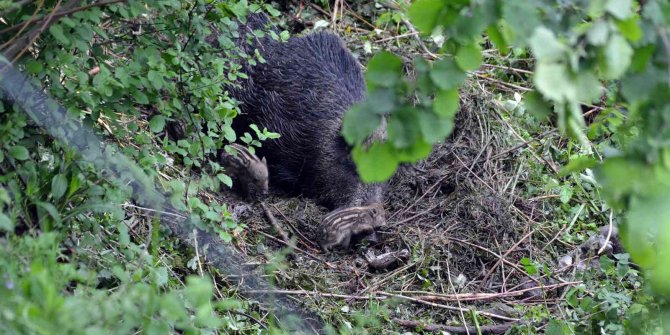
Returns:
(58,15)
(489,329)
(37,33)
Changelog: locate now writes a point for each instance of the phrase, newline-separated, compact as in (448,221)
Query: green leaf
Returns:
(446,103)
(553,81)
(225,179)
(434,128)
(545,45)
(598,33)
(384,69)
(630,28)
(56,31)
(157,123)
(424,14)
(565,194)
(588,87)
(617,57)
(377,164)
(523,17)
(58,186)
(556,327)
(33,66)
(6,223)
(578,164)
(497,38)
(358,124)
(51,210)
(140,97)
(469,57)
(446,74)
(403,128)
(156,79)
(621,9)
(537,106)
(19,152)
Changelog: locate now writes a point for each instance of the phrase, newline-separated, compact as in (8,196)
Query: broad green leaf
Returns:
(384,69)
(225,179)
(588,87)
(598,33)
(469,57)
(58,186)
(537,106)
(140,97)
(553,81)
(617,57)
(403,128)
(558,327)
(56,31)
(6,223)
(34,66)
(446,103)
(51,210)
(522,16)
(425,14)
(446,74)
(621,9)
(565,194)
(578,164)
(497,38)
(157,123)
(418,150)
(19,152)
(156,79)
(630,28)
(358,124)
(377,164)
(545,45)
(433,127)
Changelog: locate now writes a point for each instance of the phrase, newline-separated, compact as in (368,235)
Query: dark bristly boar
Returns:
(302,92)
(249,173)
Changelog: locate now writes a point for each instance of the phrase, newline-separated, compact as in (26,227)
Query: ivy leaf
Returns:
(157,123)
(446,103)
(19,152)
(377,164)
(446,74)
(58,186)
(469,57)
(425,14)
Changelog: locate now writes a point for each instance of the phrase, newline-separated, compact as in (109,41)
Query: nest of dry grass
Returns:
(458,212)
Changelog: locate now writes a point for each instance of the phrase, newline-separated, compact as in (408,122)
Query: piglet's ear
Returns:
(264,161)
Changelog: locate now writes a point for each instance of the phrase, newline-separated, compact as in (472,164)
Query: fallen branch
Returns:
(493,329)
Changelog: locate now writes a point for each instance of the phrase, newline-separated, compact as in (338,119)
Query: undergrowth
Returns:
(486,218)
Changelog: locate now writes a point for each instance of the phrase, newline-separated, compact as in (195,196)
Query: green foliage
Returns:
(580,48)
(72,259)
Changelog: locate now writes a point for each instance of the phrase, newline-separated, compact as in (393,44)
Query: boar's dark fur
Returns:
(302,91)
